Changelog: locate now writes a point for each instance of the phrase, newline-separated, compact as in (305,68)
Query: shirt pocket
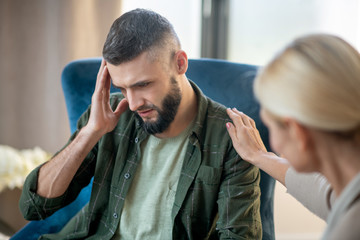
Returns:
(202,196)
(208,175)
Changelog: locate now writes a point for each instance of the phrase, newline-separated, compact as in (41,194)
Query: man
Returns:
(163,163)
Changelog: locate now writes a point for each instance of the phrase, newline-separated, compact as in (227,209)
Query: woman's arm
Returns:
(311,190)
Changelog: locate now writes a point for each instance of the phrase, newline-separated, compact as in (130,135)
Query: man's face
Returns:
(165,113)
(151,90)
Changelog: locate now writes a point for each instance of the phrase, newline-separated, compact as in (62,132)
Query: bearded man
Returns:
(162,161)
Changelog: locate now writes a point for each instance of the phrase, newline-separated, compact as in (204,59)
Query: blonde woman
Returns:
(310,101)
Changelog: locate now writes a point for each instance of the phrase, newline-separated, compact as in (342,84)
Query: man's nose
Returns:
(134,100)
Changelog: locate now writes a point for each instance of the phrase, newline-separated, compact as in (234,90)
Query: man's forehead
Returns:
(124,76)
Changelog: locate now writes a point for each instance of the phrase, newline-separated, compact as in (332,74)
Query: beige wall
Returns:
(37,39)
(292,220)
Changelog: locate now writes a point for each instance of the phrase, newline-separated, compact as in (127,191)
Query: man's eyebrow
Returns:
(139,83)
(117,87)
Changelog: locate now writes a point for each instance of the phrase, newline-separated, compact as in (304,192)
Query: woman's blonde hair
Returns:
(315,80)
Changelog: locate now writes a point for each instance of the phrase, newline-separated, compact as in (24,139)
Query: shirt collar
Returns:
(202,106)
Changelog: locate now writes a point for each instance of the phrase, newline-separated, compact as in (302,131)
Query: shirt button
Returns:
(136,140)
(115,215)
(127,175)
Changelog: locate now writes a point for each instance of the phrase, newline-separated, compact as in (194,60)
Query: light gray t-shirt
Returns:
(148,205)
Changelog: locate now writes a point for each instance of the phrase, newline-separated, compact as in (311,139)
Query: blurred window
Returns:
(259,28)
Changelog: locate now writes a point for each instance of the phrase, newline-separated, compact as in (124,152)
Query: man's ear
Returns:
(181,61)
(300,134)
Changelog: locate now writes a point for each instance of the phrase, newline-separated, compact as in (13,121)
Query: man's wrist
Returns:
(89,132)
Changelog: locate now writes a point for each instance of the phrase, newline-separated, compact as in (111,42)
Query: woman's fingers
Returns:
(235,117)
(243,132)
(232,131)
(247,121)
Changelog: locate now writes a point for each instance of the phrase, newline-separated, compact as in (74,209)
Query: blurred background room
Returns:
(39,37)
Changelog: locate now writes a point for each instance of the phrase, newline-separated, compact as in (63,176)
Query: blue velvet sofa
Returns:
(226,82)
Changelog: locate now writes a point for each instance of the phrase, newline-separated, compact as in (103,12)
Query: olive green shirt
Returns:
(217,196)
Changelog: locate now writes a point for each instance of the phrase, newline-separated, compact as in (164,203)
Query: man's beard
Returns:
(167,112)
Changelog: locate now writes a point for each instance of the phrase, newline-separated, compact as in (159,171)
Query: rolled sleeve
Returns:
(32,205)
(36,207)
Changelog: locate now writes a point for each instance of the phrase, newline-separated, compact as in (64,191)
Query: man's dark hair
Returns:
(135,32)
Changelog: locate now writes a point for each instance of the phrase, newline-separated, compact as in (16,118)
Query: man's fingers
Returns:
(107,84)
(100,82)
(100,72)
(103,85)
(103,78)
(121,107)
(101,67)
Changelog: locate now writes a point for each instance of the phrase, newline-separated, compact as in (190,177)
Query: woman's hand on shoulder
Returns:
(245,136)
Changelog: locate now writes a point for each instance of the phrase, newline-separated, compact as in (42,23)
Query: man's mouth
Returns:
(145,113)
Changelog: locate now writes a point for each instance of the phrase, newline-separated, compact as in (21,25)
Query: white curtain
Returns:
(37,39)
